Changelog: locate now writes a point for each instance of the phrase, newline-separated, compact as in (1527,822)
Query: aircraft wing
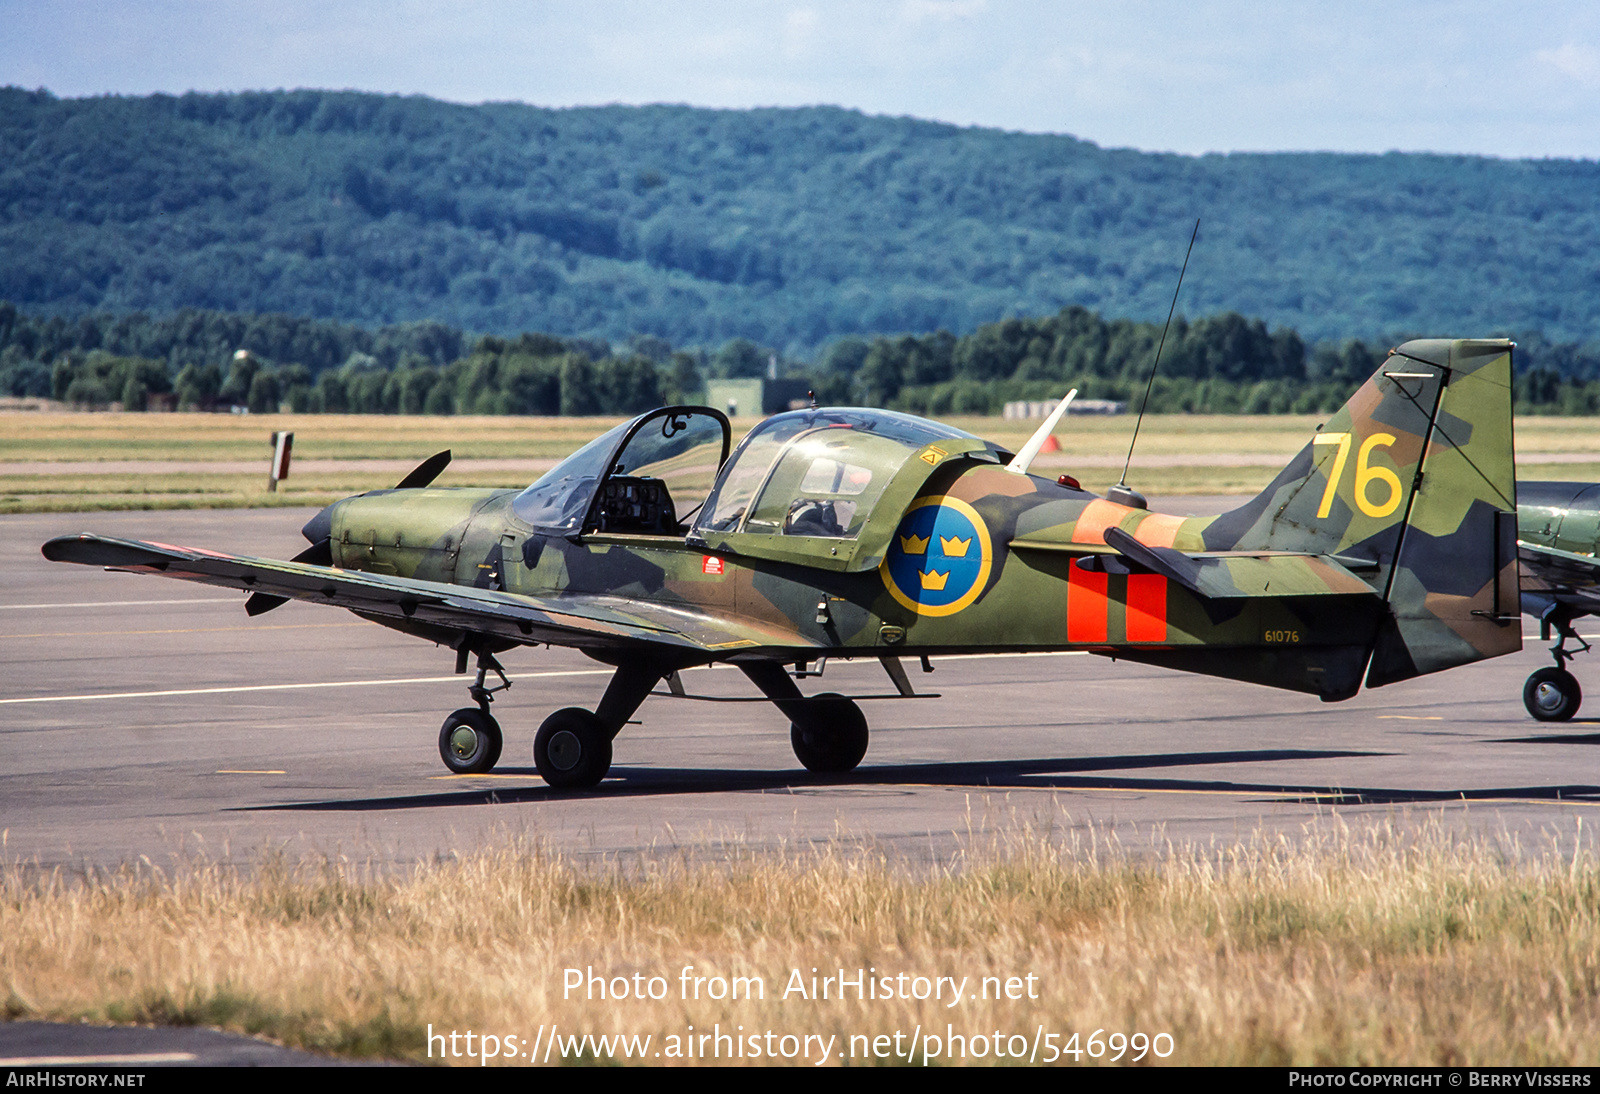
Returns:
(1572,578)
(585,621)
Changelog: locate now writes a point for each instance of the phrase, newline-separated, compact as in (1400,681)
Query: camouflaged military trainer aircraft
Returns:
(1386,549)
(1558,539)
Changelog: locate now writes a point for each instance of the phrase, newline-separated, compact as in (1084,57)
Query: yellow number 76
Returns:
(1366,474)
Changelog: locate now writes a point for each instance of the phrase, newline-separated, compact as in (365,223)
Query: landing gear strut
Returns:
(1553,694)
(470,739)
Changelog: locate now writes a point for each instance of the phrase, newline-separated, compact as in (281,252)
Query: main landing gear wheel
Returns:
(572,749)
(833,737)
(469,741)
(1552,695)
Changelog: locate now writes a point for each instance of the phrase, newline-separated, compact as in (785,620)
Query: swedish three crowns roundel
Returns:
(939,559)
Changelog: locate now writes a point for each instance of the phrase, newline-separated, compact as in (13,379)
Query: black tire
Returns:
(470,741)
(1552,695)
(832,739)
(572,749)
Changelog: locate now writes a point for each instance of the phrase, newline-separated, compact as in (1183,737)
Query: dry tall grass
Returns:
(1397,945)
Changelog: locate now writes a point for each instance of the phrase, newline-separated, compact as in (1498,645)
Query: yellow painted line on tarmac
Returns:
(233,771)
(290,687)
(1414,717)
(178,630)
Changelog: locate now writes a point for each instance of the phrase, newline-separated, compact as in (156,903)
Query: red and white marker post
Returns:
(282,444)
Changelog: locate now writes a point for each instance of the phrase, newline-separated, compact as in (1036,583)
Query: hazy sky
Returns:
(1486,77)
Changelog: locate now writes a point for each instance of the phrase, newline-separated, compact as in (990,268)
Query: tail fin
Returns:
(1412,484)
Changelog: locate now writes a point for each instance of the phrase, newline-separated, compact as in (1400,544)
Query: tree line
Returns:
(209,360)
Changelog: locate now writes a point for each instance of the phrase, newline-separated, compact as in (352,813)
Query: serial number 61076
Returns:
(1282,636)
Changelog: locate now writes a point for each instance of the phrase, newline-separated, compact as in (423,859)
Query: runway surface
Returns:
(147,717)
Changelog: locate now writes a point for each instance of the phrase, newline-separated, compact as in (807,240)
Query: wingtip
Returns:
(59,549)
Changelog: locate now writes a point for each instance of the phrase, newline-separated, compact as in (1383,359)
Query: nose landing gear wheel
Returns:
(1552,695)
(832,739)
(469,741)
(572,749)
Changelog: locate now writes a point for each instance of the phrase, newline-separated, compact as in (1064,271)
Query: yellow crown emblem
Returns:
(934,581)
(954,548)
(914,545)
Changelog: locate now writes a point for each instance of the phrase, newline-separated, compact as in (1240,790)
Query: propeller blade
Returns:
(318,554)
(426,471)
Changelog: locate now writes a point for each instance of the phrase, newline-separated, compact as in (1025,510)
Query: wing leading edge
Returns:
(580,621)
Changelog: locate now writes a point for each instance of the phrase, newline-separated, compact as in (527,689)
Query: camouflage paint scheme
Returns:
(1384,550)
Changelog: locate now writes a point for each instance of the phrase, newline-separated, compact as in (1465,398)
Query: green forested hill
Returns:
(788,226)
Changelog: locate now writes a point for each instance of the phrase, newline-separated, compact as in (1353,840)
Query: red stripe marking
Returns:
(1147,608)
(1158,530)
(1086,605)
(1096,517)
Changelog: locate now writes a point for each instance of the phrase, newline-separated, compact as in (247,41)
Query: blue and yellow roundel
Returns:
(939,559)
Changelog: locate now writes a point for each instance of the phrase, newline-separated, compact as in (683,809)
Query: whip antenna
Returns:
(1122,492)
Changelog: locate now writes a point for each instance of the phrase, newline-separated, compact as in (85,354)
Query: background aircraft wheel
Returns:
(572,749)
(833,737)
(1552,695)
(469,741)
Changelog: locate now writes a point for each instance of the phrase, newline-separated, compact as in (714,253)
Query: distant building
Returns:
(751,398)
(1030,408)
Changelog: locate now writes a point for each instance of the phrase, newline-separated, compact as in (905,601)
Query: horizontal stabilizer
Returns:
(1175,565)
(1232,576)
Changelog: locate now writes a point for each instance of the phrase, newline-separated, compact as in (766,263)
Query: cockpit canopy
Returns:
(816,472)
(642,476)
(809,474)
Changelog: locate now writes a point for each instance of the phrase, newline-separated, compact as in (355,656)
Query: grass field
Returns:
(1403,944)
(1177,454)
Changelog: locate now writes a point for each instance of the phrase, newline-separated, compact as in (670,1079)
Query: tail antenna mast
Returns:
(1122,492)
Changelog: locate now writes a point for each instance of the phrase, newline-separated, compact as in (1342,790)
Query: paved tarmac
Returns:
(132,1050)
(146,717)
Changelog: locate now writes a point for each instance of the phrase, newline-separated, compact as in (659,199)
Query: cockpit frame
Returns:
(597,487)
